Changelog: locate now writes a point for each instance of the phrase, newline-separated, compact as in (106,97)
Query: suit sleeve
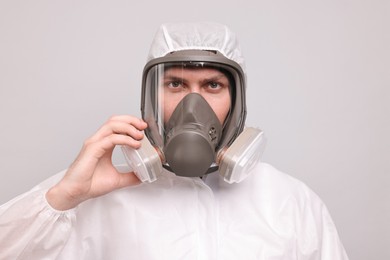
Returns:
(31,229)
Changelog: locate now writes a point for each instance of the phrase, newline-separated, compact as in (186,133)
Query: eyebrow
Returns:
(174,78)
(167,76)
(205,80)
(215,78)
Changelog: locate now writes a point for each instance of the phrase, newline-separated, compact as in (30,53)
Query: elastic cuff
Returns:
(57,211)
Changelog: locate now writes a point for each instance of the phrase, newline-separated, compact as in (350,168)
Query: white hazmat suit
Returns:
(269,215)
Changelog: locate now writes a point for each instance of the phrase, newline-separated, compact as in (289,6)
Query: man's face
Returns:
(211,83)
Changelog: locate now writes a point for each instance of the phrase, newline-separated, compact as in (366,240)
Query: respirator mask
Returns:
(194,104)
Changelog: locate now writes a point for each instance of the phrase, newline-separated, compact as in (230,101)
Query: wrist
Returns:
(58,199)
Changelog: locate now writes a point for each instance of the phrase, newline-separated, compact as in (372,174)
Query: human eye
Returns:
(174,85)
(215,86)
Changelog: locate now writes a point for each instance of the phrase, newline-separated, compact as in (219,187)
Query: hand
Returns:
(92,174)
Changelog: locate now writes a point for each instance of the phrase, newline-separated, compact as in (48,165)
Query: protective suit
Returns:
(268,215)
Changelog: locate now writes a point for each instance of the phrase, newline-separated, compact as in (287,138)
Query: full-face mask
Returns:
(187,133)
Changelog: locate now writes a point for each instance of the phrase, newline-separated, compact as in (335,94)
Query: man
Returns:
(193,110)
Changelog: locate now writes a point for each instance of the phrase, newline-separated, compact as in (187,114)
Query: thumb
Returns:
(128,179)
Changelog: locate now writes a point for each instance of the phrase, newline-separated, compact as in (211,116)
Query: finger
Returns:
(107,144)
(118,127)
(127,179)
(135,121)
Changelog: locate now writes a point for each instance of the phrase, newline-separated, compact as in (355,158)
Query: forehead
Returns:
(189,71)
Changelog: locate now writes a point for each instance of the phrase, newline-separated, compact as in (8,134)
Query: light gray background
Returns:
(318,74)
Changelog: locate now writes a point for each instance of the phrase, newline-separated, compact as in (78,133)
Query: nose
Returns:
(195,88)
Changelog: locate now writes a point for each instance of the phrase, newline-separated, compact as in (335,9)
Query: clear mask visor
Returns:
(165,85)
